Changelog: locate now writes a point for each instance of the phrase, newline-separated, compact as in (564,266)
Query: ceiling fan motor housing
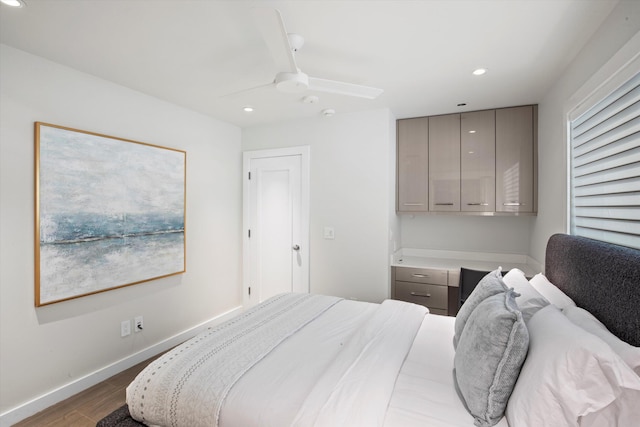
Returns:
(292,82)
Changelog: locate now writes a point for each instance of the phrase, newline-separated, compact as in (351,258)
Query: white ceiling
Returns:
(421,53)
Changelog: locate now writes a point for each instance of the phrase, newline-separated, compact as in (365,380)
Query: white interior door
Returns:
(276,211)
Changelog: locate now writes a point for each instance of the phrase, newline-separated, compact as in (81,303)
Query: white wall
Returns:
(622,24)
(44,348)
(507,235)
(350,191)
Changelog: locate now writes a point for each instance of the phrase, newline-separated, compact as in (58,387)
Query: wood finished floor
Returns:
(86,408)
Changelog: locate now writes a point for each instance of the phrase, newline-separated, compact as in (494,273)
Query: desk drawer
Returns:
(432,296)
(422,275)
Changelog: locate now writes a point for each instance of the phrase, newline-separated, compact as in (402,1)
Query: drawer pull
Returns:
(413,204)
(424,276)
(513,204)
(443,204)
(477,204)
(415,294)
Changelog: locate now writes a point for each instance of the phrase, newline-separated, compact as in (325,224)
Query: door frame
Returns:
(304,152)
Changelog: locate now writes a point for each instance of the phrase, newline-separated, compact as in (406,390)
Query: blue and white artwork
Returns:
(110,213)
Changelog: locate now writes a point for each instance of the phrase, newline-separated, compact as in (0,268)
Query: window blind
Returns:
(605,168)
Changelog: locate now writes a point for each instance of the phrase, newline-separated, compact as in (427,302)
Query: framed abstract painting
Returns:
(109,212)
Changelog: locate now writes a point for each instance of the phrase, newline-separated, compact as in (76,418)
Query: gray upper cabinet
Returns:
(413,165)
(472,163)
(515,152)
(478,161)
(444,163)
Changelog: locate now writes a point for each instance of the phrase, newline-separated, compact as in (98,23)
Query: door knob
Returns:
(296,247)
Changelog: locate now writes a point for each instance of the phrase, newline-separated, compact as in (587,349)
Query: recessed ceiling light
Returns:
(472,131)
(479,71)
(328,112)
(14,3)
(247,109)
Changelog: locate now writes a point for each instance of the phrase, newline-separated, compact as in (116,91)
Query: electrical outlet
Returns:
(138,323)
(125,328)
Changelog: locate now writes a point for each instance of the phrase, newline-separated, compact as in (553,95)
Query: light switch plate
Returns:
(329,233)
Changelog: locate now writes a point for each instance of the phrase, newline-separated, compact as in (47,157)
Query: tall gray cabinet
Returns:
(413,165)
(478,161)
(444,163)
(515,159)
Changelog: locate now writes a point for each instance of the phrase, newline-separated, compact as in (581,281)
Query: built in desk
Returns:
(431,278)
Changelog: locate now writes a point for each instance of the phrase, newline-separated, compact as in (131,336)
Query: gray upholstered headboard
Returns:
(600,277)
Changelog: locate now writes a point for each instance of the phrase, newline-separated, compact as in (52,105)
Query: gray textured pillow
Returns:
(491,284)
(490,353)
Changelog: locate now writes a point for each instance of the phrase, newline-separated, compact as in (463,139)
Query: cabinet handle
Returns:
(424,276)
(415,294)
(412,204)
(513,204)
(477,204)
(443,204)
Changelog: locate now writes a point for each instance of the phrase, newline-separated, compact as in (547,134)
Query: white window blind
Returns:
(605,168)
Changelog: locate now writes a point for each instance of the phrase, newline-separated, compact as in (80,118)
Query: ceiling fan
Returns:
(283,47)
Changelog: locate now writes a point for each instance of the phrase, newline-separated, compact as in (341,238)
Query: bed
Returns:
(308,360)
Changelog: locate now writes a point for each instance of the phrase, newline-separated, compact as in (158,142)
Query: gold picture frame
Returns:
(109,212)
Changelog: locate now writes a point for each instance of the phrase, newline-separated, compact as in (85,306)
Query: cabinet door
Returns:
(514,159)
(413,164)
(444,163)
(478,161)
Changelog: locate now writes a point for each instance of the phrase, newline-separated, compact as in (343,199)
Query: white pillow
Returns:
(571,378)
(588,322)
(530,300)
(550,291)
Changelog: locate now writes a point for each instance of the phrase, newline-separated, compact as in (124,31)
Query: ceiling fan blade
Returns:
(342,88)
(241,91)
(271,27)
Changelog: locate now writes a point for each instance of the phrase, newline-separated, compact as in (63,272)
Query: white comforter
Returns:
(357,386)
(187,386)
(425,394)
(330,363)
(338,368)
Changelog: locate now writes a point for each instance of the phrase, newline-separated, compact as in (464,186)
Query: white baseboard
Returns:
(40,403)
